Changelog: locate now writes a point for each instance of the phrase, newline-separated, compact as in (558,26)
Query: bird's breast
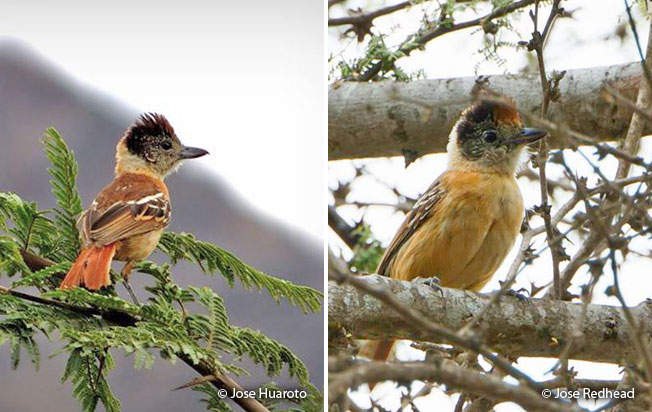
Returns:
(506,219)
(469,233)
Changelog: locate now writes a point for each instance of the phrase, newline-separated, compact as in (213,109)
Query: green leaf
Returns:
(164,325)
(214,403)
(11,260)
(214,328)
(210,258)
(87,372)
(312,402)
(44,277)
(64,187)
(271,354)
(367,251)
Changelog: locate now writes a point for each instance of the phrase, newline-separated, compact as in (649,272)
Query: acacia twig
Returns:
(365,19)
(413,43)
(125,319)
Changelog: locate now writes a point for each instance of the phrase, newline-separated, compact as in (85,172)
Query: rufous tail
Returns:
(92,268)
(378,350)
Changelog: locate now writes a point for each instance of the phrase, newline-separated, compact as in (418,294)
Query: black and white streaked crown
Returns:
(485,111)
(147,128)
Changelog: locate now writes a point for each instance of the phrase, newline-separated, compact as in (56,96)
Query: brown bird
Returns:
(463,226)
(127,218)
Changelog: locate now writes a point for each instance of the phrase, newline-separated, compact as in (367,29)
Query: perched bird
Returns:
(127,218)
(463,226)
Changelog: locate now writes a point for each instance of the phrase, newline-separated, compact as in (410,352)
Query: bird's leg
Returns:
(517,294)
(431,281)
(126,271)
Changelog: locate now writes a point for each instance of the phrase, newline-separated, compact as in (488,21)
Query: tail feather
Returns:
(91,268)
(378,350)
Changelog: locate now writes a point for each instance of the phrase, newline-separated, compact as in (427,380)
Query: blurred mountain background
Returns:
(36,94)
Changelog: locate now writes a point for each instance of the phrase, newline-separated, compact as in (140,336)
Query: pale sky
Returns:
(241,79)
(585,41)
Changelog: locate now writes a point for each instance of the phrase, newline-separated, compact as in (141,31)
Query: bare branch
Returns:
(412,43)
(341,227)
(428,328)
(512,327)
(445,372)
(390,119)
(364,18)
(538,41)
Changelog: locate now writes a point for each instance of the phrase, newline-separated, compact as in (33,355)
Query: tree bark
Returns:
(512,327)
(392,119)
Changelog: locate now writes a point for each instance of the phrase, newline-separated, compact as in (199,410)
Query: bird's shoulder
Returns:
(423,208)
(131,188)
(132,204)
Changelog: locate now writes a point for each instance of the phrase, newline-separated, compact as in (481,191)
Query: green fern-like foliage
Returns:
(64,188)
(211,258)
(93,326)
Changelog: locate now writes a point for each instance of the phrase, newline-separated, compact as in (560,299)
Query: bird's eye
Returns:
(166,145)
(490,136)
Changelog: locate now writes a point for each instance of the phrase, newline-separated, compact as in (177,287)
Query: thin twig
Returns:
(538,41)
(367,18)
(445,372)
(342,228)
(632,26)
(412,43)
(123,318)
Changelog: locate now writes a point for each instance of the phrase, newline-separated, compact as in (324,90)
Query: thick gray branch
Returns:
(390,119)
(512,327)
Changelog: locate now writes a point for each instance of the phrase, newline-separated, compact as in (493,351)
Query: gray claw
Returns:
(432,282)
(518,295)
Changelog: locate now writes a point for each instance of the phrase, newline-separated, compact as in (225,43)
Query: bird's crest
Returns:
(151,124)
(499,113)
(148,128)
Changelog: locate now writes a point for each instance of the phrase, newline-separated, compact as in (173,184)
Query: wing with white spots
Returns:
(125,218)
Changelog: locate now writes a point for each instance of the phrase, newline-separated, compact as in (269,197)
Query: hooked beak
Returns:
(528,135)
(192,153)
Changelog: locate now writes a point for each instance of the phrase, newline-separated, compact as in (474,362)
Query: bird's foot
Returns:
(518,295)
(432,282)
(126,271)
(125,282)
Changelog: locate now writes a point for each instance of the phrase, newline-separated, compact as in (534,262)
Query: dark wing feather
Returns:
(124,219)
(421,211)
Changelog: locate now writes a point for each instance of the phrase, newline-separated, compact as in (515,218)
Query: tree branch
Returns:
(412,43)
(538,41)
(361,23)
(341,227)
(122,318)
(367,18)
(35,262)
(429,329)
(445,372)
(511,327)
(390,119)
